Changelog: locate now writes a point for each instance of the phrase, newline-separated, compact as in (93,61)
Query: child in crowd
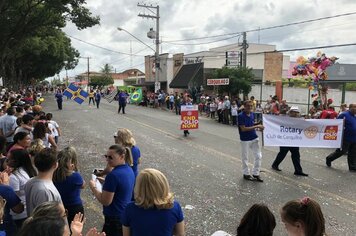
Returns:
(22,171)
(54,127)
(303,217)
(40,132)
(154,211)
(69,182)
(258,220)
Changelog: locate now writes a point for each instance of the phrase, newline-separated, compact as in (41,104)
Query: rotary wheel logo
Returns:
(311,132)
(189,113)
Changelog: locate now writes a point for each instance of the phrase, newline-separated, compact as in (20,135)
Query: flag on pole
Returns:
(75,93)
(111,96)
(136,97)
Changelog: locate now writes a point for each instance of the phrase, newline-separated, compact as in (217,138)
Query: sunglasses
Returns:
(108,157)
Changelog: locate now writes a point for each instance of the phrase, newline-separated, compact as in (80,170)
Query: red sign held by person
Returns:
(189,117)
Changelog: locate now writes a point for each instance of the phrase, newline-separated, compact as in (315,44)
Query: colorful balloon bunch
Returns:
(314,68)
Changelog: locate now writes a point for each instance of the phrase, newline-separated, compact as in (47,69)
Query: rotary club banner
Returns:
(299,132)
(189,117)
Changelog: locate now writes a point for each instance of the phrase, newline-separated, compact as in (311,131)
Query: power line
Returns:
(305,48)
(206,37)
(110,50)
(205,42)
(302,22)
(266,28)
(121,59)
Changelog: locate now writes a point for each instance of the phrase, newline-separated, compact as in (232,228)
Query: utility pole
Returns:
(88,62)
(244,48)
(157,60)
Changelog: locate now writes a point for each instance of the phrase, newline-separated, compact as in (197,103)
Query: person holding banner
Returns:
(249,140)
(293,112)
(349,139)
(186,101)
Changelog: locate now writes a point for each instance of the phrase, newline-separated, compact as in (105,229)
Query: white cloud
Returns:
(182,19)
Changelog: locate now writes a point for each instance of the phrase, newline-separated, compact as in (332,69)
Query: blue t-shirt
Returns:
(136,154)
(59,96)
(122,97)
(97,96)
(152,221)
(70,189)
(12,200)
(119,181)
(350,126)
(247,121)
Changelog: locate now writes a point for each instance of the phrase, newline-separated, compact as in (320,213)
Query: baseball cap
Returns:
(294,108)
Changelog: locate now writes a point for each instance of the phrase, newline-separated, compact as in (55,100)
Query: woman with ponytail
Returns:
(303,218)
(117,188)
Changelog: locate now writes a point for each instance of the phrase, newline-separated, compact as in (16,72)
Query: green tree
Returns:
(23,21)
(101,81)
(107,69)
(240,80)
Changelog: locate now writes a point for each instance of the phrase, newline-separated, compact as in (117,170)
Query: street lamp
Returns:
(121,29)
(156,57)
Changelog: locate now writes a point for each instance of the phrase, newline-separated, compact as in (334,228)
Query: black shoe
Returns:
(276,168)
(352,170)
(249,177)
(257,178)
(300,174)
(328,163)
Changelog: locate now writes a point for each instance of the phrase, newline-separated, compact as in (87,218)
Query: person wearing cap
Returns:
(249,140)
(298,170)
(349,139)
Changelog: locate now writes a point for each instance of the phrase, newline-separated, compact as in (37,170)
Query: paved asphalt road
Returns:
(204,169)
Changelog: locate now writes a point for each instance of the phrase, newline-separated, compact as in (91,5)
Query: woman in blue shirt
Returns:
(154,212)
(125,138)
(69,182)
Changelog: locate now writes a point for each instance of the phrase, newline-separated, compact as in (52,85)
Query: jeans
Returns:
(72,210)
(97,103)
(122,105)
(59,104)
(112,226)
(295,158)
(255,148)
(350,149)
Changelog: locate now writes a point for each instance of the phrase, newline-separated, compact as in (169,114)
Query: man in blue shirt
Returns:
(249,140)
(122,101)
(349,139)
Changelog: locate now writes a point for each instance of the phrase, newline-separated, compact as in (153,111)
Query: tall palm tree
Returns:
(107,69)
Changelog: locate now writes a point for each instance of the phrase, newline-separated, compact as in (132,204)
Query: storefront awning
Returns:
(188,74)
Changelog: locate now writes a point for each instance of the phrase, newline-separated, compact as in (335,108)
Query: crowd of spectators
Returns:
(40,185)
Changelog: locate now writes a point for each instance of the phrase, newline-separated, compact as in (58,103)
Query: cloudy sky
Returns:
(187,19)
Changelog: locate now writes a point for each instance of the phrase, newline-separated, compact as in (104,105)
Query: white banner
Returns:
(299,132)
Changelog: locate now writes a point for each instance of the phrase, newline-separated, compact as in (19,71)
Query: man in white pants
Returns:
(249,141)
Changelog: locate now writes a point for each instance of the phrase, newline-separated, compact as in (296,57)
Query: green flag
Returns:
(136,97)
